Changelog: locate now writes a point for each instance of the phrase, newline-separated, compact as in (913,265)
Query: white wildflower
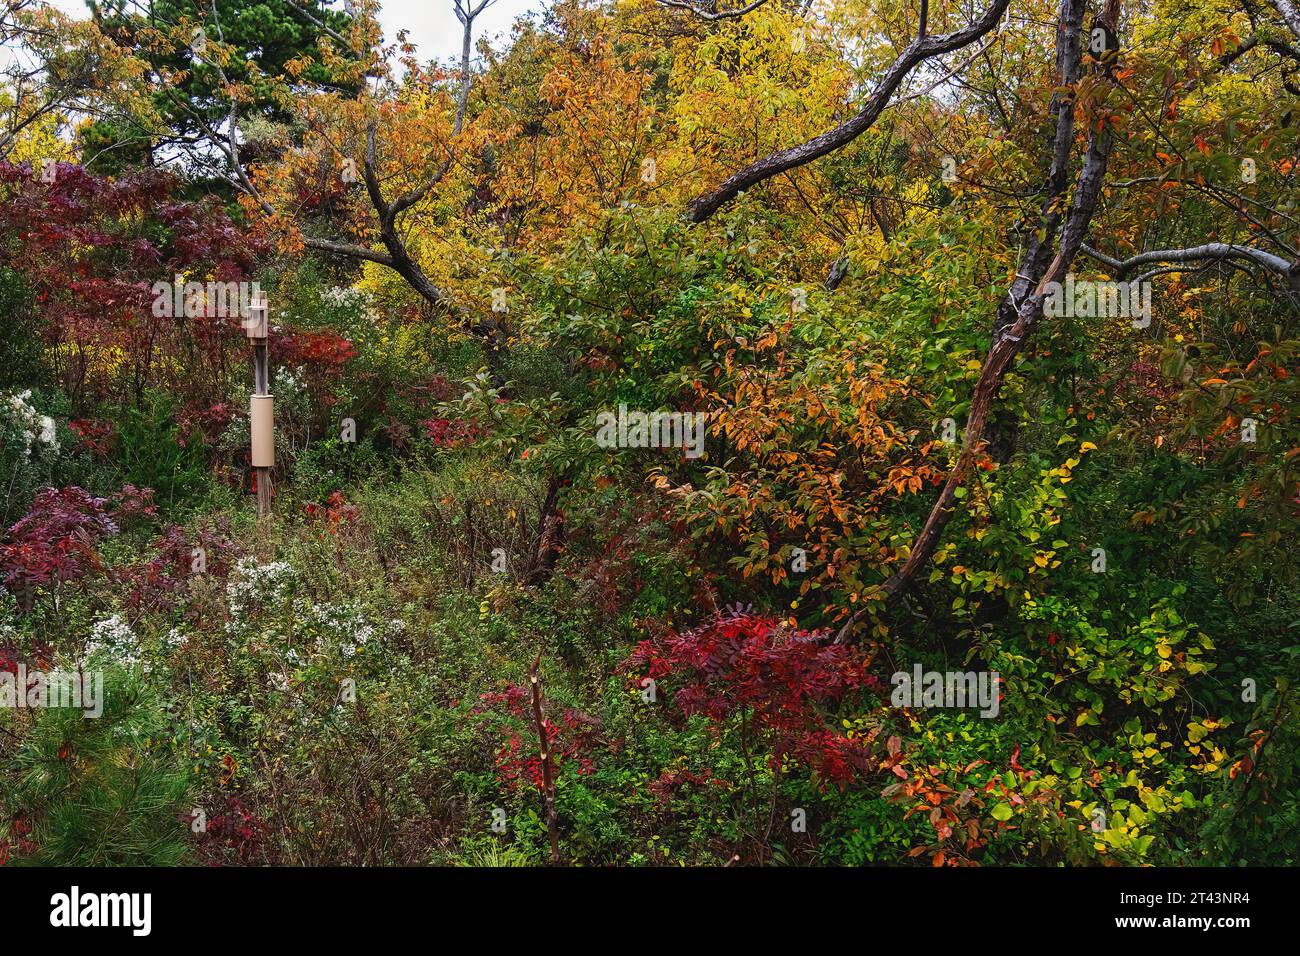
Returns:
(346,623)
(36,430)
(346,296)
(113,638)
(259,585)
(8,616)
(49,434)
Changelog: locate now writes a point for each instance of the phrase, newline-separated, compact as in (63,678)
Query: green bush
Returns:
(153,453)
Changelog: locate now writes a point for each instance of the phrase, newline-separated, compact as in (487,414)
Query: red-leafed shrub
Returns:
(91,249)
(133,504)
(446,433)
(785,682)
(95,437)
(18,842)
(56,540)
(668,783)
(322,352)
(571,740)
(208,421)
(334,513)
(233,834)
(40,658)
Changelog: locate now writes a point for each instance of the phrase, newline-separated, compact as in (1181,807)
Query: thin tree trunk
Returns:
(548,770)
(1019,313)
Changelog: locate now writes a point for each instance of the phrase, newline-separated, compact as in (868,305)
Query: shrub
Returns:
(155,454)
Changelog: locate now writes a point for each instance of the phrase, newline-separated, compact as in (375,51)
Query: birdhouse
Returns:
(256,323)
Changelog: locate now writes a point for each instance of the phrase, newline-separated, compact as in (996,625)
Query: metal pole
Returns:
(262,386)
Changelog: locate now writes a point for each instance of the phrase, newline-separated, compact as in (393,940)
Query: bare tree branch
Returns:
(930,88)
(1214,250)
(400,257)
(1210,251)
(919,50)
(348,249)
(395,254)
(466,13)
(704,13)
(321,25)
(37,91)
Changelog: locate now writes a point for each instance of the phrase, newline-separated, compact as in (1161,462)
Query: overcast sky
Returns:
(436,32)
(433,27)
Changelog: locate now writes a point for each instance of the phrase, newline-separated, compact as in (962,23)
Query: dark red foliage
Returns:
(666,785)
(19,843)
(446,433)
(133,504)
(95,437)
(334,513)
(322,352)
(56,540)
(233,830)
(91,249)
(209,421)
(781,679)
(416,402)
(437,387)
(41,658)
